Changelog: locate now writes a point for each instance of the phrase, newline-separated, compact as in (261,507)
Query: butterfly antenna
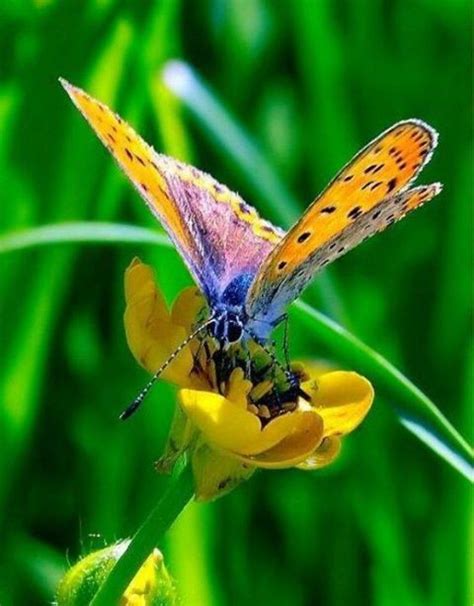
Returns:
(144,392)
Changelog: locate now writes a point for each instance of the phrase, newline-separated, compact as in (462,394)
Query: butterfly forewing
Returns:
(138,161)
(219,236)
(368,194)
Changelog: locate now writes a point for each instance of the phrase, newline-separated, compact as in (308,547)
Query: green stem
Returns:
(179,493)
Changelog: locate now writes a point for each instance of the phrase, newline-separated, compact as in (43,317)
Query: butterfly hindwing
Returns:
(368,194)
(220,237)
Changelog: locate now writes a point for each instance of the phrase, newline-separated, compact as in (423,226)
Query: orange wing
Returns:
(217,233)
(368,194)
(134,156)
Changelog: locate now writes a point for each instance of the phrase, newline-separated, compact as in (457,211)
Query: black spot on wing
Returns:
(303,237)
(391,185)
(354,212)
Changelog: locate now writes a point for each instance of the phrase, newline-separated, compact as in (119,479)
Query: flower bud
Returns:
(151,586)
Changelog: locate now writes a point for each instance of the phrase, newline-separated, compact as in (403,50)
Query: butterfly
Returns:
(249,270)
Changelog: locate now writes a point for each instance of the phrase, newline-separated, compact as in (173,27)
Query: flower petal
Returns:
(222,422)
(238,431)
(187,306)
(151,334)
(140,285)
(342,399)
(295,448)
(238,388)
(326,452)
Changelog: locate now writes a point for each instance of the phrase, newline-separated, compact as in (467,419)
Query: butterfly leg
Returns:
(197,357)
(285,342)
(284,318)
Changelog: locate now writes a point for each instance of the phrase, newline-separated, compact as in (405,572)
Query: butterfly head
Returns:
(227,326)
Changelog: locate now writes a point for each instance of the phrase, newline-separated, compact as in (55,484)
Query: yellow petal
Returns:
(222,422)
(342,399)
(216,474)
(295,448)
(326,452)
(151,335)
(187,306)
(139,282)
(152,343)
(238,431)
(238,388)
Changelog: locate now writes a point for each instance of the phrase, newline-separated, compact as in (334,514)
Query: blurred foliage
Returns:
(312,81)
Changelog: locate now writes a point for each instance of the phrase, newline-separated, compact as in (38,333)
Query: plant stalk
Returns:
(177,496)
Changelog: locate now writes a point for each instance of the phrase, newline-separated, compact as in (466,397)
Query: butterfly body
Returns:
(249,270)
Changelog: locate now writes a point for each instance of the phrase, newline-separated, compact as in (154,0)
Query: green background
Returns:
(310,83)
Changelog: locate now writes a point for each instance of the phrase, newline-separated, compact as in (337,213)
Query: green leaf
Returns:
(415,410)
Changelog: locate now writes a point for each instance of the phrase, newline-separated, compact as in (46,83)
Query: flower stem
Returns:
(179,493)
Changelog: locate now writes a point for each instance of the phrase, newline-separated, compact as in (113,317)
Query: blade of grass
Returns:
(82,232)
(23,370)
(416,411)
(320,53)
(193,533)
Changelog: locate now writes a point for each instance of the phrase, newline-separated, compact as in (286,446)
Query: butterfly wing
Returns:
(219,236)
(367,195)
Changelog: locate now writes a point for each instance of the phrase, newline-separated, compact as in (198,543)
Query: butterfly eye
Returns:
(234,332)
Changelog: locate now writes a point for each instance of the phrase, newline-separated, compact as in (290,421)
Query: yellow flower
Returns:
(233,425)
